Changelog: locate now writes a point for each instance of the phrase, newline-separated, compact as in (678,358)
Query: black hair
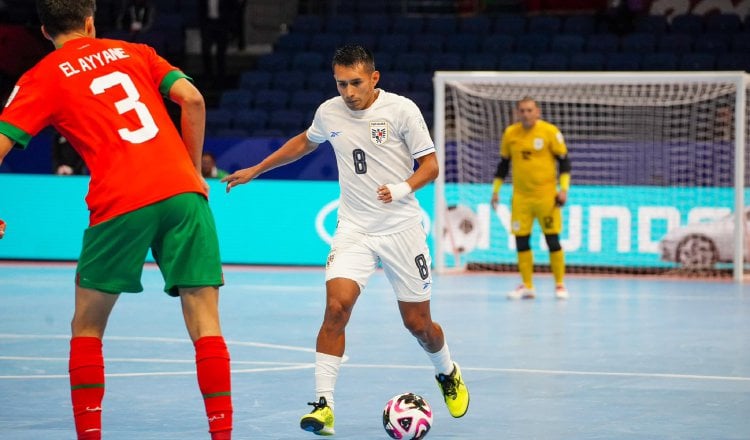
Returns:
(63,16)
(352,55)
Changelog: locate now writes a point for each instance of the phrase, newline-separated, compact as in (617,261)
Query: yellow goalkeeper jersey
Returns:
(532,154)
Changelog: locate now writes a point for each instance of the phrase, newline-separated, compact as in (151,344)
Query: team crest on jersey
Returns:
(378,132)
(538,143)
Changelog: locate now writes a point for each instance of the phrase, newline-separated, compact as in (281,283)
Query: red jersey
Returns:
(105,97)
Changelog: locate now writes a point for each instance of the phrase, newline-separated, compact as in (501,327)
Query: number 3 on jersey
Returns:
(148,127)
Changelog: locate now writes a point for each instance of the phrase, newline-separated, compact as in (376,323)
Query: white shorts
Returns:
(404,256)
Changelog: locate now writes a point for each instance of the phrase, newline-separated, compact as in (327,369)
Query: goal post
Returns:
(659,176)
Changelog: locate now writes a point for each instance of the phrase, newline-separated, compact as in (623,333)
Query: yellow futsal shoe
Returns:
(454,390)
(320,420)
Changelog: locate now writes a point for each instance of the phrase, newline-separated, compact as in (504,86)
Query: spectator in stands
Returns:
(376,136)
(136,16)
(146,192)
(209,168)
(65,159)
(218,19)
(533,146)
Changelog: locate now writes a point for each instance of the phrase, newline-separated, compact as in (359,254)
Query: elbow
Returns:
(194,101)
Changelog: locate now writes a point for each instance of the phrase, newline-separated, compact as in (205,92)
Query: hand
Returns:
(495,200)
(2,229)
(384,194)
(561,198)
(239,177)
(64,170)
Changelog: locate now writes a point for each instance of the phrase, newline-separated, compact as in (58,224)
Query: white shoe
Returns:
(561,292)
(522,292)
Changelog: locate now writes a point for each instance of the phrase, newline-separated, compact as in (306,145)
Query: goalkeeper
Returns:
(534,146)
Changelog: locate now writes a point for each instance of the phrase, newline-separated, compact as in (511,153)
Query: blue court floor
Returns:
(624,358)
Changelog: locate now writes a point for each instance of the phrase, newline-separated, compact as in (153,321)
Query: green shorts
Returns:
(181,234)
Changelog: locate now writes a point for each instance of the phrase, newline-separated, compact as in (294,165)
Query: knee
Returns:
(522,243)
(418,327)
(337,314)
(553,242)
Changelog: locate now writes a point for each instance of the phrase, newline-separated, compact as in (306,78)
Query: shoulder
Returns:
(548,126)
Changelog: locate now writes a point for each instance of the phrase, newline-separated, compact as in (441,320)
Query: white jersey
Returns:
(374,147)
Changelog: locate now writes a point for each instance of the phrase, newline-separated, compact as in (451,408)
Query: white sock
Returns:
(326,372)
(441,359)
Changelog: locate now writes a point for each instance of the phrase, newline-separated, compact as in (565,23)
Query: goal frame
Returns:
(740,79)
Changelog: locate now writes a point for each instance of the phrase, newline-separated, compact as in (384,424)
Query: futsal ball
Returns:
(407,416)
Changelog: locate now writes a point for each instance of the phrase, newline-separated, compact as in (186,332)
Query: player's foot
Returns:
(454,390)
(320,420)
(522,292)
(561,292)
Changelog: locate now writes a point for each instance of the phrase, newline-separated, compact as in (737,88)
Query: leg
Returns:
(86,362)
(200,308)
(522,220)
(417,319)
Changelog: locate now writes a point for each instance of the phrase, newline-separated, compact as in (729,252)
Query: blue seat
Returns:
(235,99)
(274,62)
(255,79)
(463,43)
(286,79)
(217,119)
(429,43)
(567,43)
(740,42)
(393,43)
(306,100)
(410,62)
(515,61)
(307,61)
(651,24)
(446,61)
(444,24)
(250,119)
(406,25)
(309,24)
(325,43)
(605,43)
(423,99)
(498,43)
(550,61)
(271,99)
(533,43)
(638,42)
(478,24)
(715,43)
(584,61)
(369,41)
(375,24)
(675,43)
(659,61)
(547,24)
(289,121)
(509,24)
(697,61)
(339,24)
(687,24)
(321,79)
(579,24)
(480,61)
(722,23)
(422,82)
(396,81)
(623,61)
(231,133)
(733,61)
(292,42)
(383,60)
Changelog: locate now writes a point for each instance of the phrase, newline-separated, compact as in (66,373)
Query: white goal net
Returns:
(655,187)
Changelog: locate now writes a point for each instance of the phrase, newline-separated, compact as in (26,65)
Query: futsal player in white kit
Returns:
(376,136)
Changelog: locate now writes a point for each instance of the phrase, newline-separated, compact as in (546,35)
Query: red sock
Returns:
(86,368)
(212,364)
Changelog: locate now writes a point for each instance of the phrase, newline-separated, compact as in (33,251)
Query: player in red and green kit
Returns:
(539,157)
(146,191)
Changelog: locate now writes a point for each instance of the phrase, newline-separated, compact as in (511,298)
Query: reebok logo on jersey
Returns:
(335,133)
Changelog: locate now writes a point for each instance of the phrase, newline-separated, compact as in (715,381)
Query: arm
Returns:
(5,145)
(500,174)
(426,172)
(192,118)
(292,150)
(563,163)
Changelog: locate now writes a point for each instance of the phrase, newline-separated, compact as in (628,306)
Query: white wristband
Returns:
(398,190)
